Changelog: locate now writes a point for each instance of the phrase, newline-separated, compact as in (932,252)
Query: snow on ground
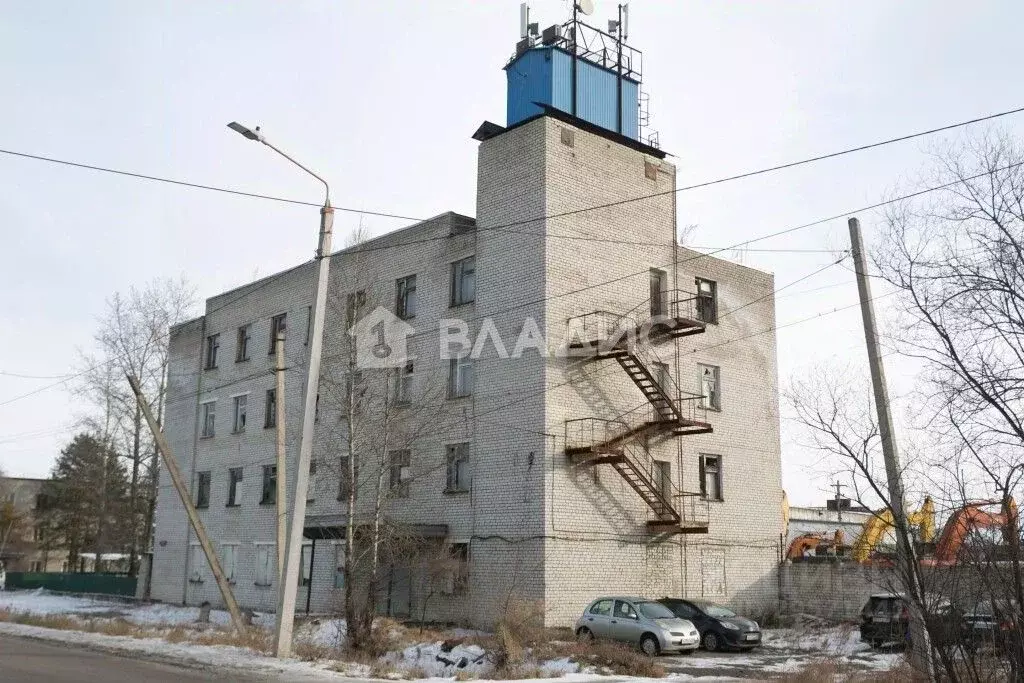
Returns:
(784,651)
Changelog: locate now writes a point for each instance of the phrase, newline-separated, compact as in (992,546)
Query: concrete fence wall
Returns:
(832,590)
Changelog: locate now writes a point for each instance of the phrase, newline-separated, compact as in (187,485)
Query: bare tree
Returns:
(132,340)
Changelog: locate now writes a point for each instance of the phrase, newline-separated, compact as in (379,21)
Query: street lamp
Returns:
(288,583)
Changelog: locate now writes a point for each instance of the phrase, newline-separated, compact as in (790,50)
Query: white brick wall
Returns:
(539,528)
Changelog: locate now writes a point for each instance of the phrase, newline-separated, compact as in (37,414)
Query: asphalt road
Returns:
(23,660)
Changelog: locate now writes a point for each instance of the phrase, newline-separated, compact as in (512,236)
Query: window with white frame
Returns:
(266,564)
(229,560)
(196,563)
(405,297)
(710,387)
(209,412)
(403,382)
(458,478)
(711,477)
(460,376)
(241,404)
(399,473)
(463,289)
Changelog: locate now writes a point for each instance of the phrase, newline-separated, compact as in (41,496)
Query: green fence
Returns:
(104,584)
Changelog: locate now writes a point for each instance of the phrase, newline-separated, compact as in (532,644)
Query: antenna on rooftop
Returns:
(586,6)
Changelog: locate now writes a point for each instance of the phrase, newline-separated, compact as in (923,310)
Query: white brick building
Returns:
(702,516)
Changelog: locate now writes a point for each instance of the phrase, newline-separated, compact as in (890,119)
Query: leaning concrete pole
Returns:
(920,654)
(281,502)
(197,524)
(290,586)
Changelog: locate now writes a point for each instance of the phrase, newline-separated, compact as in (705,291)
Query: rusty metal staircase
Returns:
(618,442)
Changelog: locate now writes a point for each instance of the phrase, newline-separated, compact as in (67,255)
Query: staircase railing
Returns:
(612,329)
(691,509)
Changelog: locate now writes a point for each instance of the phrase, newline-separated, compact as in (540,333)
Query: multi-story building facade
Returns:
(24,543)
(551,474)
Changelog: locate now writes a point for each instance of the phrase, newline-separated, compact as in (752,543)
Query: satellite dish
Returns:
(586,6)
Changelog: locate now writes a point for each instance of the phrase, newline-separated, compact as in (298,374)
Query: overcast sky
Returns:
(382,97)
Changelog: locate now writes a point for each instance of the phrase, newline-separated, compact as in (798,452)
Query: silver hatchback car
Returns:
(645,623)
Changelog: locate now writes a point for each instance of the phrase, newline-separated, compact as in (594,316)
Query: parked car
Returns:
(719,626)
(644,623)
(989,624)
(885,618)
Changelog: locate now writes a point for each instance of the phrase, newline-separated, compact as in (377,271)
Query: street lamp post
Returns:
(288,584)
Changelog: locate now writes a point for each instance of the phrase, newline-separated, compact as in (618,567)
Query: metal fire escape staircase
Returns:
(667,411)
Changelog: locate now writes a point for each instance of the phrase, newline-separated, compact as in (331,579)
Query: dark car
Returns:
(719,627)
(990,624)
(885,619)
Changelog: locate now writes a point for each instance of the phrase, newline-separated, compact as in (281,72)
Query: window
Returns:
(458,467)
(306,565)
(463,281)
(209,417)
(316,409)
(242,349)
(403,382)
(37,533)
(196,563)
(339,565)
(279,323)
(212,346)
(624,610)
(270,409)
(658,278)
(345,478)
(711,477)
(459,553)
(354,303)
(398,473)
(661,471)
(311,484)
(707,300)
(266,564)
(269,495)
(203,489)
(234,487)
(228,557)
(663,377)
(37,566)
(238,413)
(309,324)
(710,387)
(460,377)
(602,608)
(405,297)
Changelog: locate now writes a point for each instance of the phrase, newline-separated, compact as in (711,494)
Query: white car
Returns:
(645,623)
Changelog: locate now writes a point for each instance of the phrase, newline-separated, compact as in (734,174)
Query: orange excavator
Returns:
(812,542)
(967,519)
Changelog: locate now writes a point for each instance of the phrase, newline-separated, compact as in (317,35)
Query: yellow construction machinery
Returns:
(881,521)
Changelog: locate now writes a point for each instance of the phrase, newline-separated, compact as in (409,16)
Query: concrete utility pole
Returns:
(197,524)
(920,654)
(289,586)
(839,500)
(281,501)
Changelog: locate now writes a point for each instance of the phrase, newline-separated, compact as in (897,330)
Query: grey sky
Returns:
(381,99)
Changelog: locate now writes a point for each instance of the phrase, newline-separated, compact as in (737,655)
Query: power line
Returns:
(620,202)
(198,186)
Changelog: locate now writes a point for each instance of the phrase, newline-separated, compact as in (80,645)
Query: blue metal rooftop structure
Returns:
(580,70)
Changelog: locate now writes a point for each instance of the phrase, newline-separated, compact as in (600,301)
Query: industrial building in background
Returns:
(643,468)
